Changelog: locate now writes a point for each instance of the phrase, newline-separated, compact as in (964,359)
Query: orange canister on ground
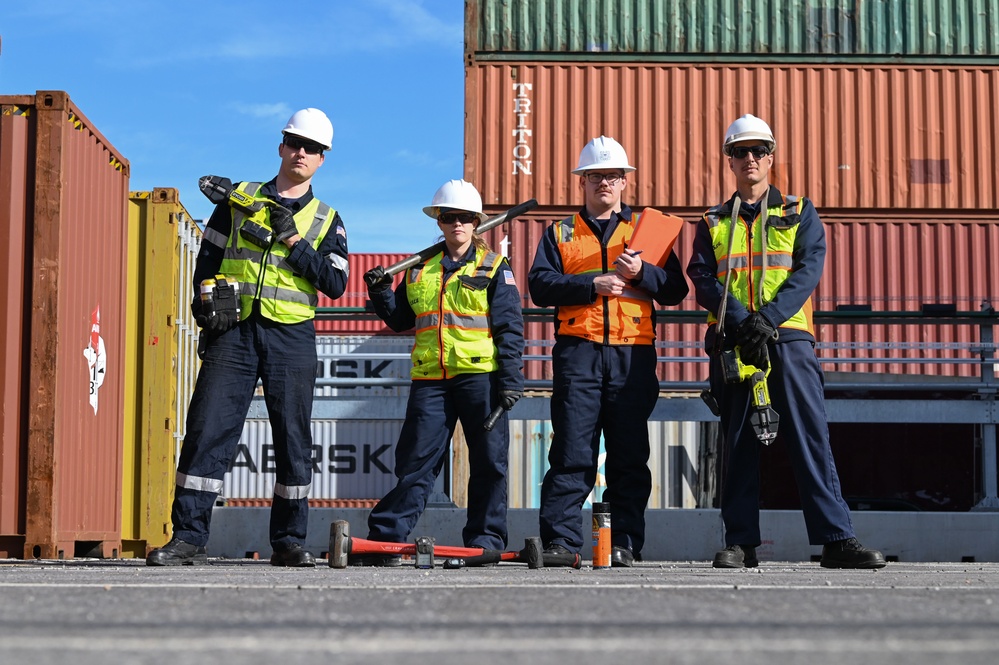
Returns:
(601,536)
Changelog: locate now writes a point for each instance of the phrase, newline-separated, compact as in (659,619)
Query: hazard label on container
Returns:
(96,358)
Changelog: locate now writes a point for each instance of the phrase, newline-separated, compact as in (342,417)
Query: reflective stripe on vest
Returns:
(624,319)
(773,263)
(264,274)
(453,334)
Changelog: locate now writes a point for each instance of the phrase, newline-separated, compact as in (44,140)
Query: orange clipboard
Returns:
(654,235)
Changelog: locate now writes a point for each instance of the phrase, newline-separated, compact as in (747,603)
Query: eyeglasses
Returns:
(758,151)
(596,178)
(463,217)
(310,147)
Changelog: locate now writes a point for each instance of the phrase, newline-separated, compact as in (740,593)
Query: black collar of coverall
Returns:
(269,190)
(604,228)
(450,265)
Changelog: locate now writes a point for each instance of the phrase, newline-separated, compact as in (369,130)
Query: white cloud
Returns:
(279,110)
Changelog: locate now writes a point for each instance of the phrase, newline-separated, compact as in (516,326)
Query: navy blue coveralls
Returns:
(796,390)
(611,388)
(434,408)
(283,356)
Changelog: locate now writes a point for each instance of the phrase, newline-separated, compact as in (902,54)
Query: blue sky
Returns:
(183,89)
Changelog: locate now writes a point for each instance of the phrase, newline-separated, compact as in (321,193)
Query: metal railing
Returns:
(958,400)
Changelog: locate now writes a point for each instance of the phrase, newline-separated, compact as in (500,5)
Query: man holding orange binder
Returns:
(604,357)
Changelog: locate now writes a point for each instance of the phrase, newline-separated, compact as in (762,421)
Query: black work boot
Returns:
(850,553)
(622,557)
(293,556)
(177,553)
(736,556)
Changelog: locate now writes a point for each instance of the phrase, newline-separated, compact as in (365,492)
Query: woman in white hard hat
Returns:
(467,362)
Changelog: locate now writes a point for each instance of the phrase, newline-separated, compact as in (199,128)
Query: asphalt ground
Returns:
(245,611)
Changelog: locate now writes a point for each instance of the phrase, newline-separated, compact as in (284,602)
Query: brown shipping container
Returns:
(890,263)
(78,187)
(16,148)
(850,137)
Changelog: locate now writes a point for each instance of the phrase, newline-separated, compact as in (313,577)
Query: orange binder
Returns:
(654,235)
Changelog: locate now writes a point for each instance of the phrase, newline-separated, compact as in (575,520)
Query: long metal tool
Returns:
(425,254)
(342,545)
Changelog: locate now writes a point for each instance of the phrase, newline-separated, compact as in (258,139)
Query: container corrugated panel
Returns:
(719,28)
(899,264)
(16,179)
(354,457)
(890,262)
(894,137)
(75,412)
(356,295)
(674,462)
(364,357)
(163,245)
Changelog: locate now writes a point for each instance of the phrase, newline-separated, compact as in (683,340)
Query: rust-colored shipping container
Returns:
(16,152)
(356,295)
(887,262)
(850,137)
(76,194)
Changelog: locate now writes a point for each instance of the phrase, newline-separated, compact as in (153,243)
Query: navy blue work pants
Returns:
(796,393)
(598,388)
(283,356)
(432,412)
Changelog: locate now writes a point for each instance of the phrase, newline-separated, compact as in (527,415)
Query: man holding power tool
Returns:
(604,358)
(769,250)
(275,245)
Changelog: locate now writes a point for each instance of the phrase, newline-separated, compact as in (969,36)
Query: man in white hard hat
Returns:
(604,358)
(775,247)
(280,256)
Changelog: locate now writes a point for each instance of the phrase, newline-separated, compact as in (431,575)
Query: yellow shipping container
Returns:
(162,362)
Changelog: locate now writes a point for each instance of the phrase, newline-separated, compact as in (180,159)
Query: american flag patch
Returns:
(508,278)
(341,231)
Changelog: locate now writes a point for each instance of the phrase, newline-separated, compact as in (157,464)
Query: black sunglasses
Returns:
(463,217)
(310,147)
(758,151)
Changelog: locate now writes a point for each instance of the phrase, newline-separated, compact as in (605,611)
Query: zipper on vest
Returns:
(751,305)
(605,299)
(260,277)
(440,322)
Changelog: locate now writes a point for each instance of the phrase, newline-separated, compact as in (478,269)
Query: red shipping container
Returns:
(849,137)
(887,262)
(76,195)
(16,143)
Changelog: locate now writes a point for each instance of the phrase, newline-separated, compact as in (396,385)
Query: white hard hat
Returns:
(748,128)
(459,195)
(603,153)
(311,124)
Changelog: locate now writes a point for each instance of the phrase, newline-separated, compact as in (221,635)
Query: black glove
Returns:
(377,280)
(753,335)
(283,223)
(760,360)
(509,397)
(223,312)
